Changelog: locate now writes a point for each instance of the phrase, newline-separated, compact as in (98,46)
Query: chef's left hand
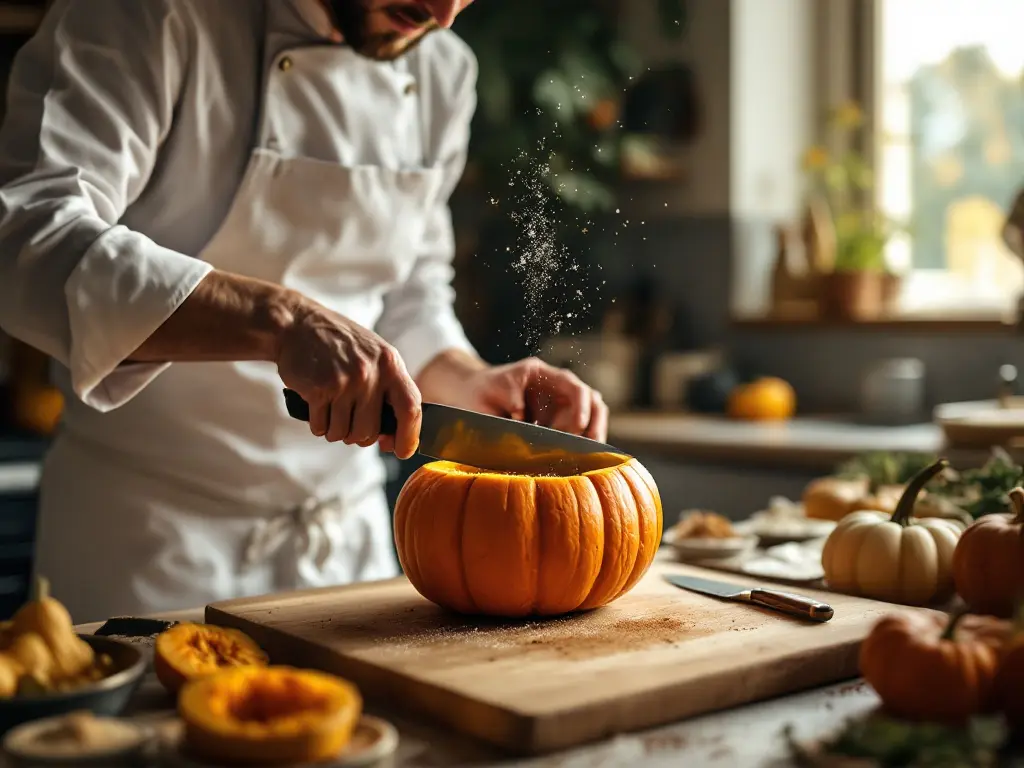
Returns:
(530,390)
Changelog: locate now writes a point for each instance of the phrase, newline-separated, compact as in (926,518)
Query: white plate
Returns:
(22,743)
(373,742)
(786,530)
(698,548)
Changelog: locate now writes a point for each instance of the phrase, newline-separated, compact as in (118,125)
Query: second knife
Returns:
(784,602)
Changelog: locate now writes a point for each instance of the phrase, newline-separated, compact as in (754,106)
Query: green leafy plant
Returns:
(979,491)
(885,467)
(551,82)
(845,180)
(985,490)
(879,740)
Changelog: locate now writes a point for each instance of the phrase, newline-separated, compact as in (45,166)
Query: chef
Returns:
(205,201)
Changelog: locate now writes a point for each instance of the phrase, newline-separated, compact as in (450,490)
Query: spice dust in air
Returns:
(549,273)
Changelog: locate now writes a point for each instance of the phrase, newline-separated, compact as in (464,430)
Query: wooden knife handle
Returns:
(299,409)
(794,605)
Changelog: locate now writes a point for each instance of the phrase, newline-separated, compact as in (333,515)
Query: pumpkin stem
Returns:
(1017,503)
(42,588)
(954,622)
(905,507)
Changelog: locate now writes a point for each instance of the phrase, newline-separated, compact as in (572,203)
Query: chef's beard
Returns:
(356,24)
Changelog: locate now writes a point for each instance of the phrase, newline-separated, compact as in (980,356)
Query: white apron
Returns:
(201,488)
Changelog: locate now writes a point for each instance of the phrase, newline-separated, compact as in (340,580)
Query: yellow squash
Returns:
(898,559)
(50,620)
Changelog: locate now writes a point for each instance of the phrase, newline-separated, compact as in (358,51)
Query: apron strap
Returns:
(308,521)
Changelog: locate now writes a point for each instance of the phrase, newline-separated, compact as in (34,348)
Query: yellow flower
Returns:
(848,115)
(815,158)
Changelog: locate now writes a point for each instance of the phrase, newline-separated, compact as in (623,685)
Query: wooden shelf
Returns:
(953,323)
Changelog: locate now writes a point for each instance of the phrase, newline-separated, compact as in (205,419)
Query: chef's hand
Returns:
(345,372)
(527,390)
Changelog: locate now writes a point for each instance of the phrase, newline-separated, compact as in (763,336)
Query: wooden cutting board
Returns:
(657,655)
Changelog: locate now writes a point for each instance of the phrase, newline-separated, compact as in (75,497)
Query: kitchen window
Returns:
(943,81)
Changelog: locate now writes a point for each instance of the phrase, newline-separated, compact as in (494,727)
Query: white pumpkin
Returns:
(898,559)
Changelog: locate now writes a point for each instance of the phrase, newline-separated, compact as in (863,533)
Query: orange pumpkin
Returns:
(506,545)
(931,668)
(1010,678)
(765,399)
(988,563)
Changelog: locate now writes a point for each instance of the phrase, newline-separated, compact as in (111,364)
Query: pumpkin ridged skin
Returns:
(244,716)
(189,651)
(932,668)
(1010,678)
(897,559)
(988,565)
(513,546)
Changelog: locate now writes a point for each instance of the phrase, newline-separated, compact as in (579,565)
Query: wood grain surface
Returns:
(657,655)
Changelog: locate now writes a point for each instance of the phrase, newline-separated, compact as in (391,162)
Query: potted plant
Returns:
(857,282)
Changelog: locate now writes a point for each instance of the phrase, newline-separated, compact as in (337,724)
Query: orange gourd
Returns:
(189,651)
(765,399)
(506,545)
(1010,677)
(933,668)
(988,563)
(268,716)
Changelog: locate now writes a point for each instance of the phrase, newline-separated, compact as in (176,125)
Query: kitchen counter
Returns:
(746,736)
(808,443)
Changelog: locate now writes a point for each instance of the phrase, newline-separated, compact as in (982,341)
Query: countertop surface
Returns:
(805,442)
(752,735)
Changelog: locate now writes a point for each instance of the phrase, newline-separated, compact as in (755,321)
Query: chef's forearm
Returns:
(444,377)
(227,317)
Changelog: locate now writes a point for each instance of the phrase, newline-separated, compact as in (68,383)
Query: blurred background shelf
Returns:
(20,18)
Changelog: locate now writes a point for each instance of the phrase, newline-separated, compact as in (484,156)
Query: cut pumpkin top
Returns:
(597,463)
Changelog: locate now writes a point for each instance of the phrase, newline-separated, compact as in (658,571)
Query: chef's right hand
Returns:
(345,372)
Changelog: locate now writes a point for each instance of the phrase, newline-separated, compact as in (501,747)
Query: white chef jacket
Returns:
(130,127)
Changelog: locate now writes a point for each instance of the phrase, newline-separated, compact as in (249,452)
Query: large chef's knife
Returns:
(491,442)
(784,602)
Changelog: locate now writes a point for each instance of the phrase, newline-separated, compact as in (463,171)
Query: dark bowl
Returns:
(108,696)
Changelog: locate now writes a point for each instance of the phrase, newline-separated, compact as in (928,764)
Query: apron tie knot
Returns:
(308,521)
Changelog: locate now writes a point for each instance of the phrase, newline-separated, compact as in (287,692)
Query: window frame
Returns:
(847,67)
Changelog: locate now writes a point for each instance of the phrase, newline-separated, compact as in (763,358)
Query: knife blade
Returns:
(784,602)
(491,442)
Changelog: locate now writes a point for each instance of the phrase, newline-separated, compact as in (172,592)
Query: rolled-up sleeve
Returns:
(419,314)
(90,100)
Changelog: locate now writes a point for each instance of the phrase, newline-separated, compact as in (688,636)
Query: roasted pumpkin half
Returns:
(268,716)
(507,545)
(189,651)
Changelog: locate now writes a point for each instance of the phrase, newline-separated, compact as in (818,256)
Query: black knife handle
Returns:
(794,605)
(299,409)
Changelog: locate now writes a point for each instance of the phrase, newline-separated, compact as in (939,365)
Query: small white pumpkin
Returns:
(898,559)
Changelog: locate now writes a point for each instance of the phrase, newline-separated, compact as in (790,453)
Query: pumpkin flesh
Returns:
(269,715)
(189,651)
(506,545)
